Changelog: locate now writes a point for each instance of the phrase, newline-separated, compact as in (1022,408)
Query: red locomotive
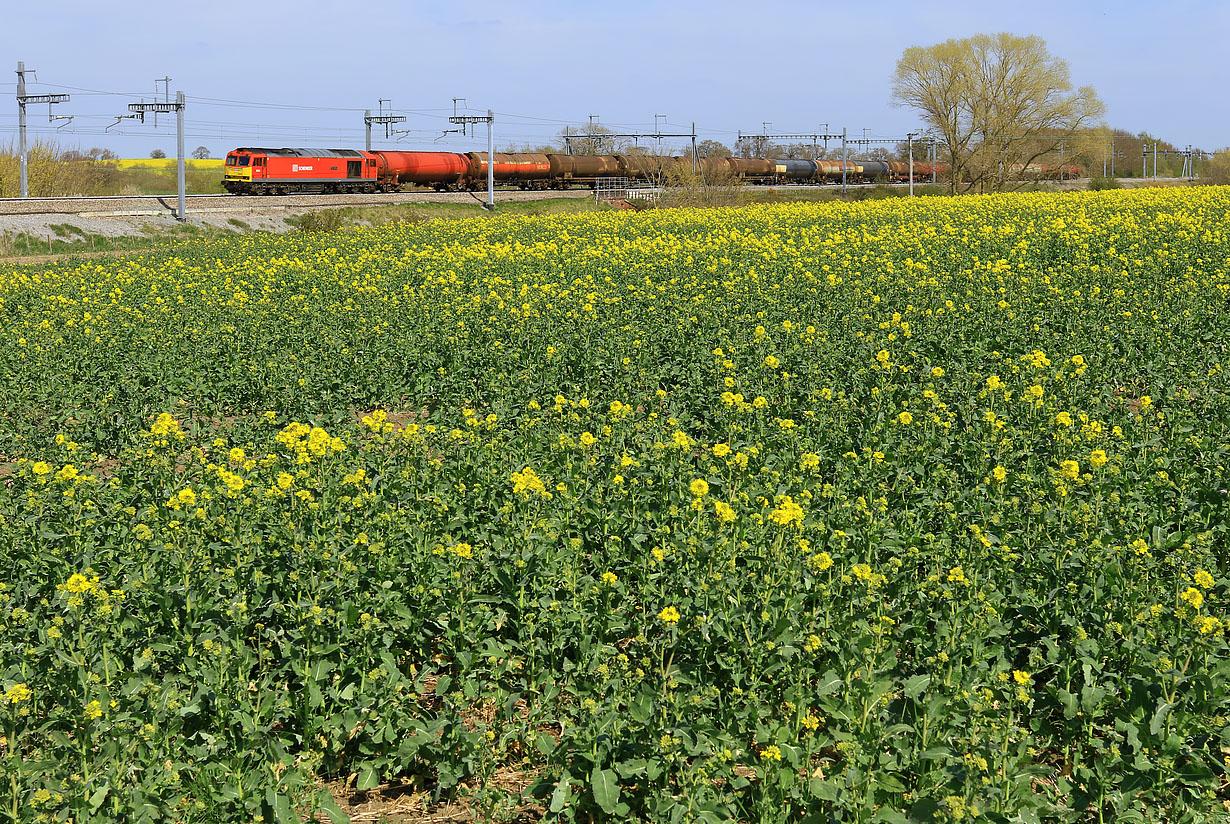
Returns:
(281,171)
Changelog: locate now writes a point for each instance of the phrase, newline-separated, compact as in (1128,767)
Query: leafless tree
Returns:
(591,139)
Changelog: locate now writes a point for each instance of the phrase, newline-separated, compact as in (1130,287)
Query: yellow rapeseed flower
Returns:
(771,753)
(787,512)
(17,693)
(1071,470)
(79,584)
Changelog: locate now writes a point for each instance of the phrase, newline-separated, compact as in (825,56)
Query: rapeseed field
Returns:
(168,163)
(894,511)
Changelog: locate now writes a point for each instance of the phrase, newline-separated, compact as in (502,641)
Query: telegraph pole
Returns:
(21,125)
(139,110)
(843,160)
(695,157)
(166,92)
(22,100)
(179,155)
(910,138)
(471,119)
(383,119)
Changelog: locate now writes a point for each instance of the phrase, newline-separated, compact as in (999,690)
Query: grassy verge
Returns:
(69,239)
(381,215)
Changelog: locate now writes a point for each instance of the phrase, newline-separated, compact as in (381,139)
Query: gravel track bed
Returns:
(152,206)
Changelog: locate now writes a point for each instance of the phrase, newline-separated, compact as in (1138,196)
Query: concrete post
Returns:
(491,160)
(694,147)
(843,160)
(182,214)
(910,138)
(21,125)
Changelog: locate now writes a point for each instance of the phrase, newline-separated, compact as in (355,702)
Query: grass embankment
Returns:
(67,239)
(384,214)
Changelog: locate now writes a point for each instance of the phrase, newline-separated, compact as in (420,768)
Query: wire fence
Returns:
(614,189)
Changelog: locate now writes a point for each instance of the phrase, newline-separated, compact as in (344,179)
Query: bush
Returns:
(716,188)
(326,220)
(1217,170)
(1099,184)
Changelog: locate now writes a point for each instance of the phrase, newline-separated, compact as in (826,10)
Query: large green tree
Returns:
(998,103)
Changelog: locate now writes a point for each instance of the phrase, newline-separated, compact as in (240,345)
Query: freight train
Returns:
(286,171)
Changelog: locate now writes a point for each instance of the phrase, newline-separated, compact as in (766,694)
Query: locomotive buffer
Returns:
(467,120)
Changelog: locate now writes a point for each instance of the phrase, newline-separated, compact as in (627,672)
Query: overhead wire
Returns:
(239,130)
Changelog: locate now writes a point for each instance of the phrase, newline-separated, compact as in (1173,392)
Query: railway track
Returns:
(155,205)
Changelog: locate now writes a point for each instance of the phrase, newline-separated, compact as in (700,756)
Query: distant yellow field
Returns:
(167,163)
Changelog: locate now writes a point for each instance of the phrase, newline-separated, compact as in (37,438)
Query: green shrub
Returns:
(326,220)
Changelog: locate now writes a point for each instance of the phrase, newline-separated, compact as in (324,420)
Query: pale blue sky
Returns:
(728,66)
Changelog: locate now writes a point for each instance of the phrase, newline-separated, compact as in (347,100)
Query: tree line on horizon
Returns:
(1086,147)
